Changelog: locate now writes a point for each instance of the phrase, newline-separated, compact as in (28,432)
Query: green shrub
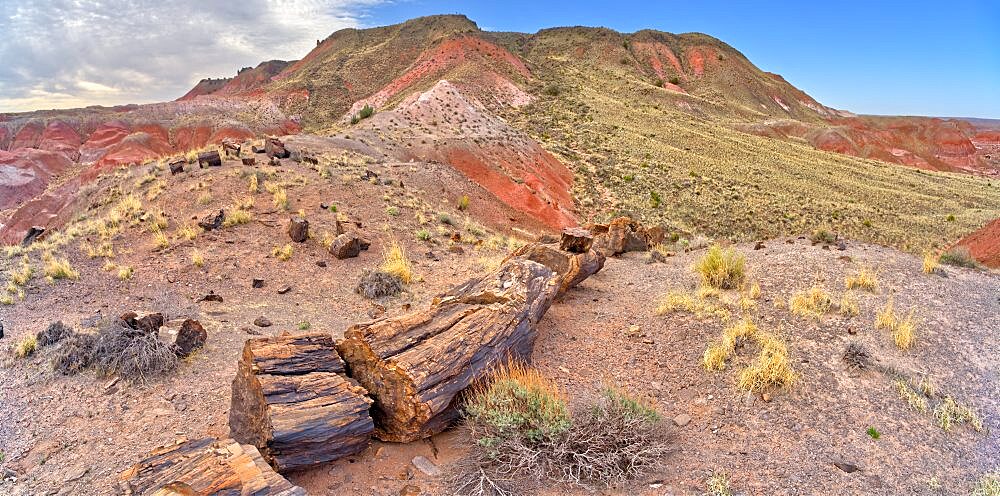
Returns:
(959,256)
(675,80)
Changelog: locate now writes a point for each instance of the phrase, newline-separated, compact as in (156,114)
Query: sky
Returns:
(895,58)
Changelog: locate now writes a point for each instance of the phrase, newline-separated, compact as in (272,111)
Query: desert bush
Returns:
(55,332)
(377,284)
(857,356)
(366,111)
(916,401)
(525,434)
(423,235)
(960,256)
(675,80)
(722,269)
(132,354)
(463,202)
(552,90)
(74,354)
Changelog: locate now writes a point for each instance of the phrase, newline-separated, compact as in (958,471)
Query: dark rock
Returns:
(212,221)
(298,229)
(129,318)
(274,148)
(1,330)
(34,232)
(456,249)
(257,149)
(576,240)
(177,166)
(151,323)
(547,239)
(657,256)
(431,256)
(249,161)
(759,245)
(841,245)
(211,296)
(262,322)
(257,283)
(209,159)
(847,467)
(321,263)
(274,161)
(346,246)
(190,338)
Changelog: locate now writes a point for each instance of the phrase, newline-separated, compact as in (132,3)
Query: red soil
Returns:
(61,137)
(28,136)
(53,208)
(26,172)
(984,244)
(698,56)
(204,87)
(105,136)
(191,137)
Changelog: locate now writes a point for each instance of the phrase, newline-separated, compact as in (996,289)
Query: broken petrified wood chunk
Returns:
(415,365)
(34,232)
(190,338)
(348,246)
(291,401)
(572,268)
(207,466)
(624,234)
(249,161)
(576,240)
(209,159)
(298,229)
(231,149)
(177,166)
(212,220)
(274,148)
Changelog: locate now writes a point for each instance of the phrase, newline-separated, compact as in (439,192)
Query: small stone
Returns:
(847,467)
(759,245)
(321,263)
(456,249)
(410,490)
(563,369)
(284,289)
(212,221)
(682,420)
(211,296)
(426,466)
(766,397)
(257,283)
(262,322)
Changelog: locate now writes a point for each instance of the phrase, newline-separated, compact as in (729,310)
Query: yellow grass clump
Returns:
(56,268)
(865,279)
(254,185)
(283,253)
(815,302)
(237,217)
(886,317)
(160,240)
(26,347)
(125,273)
(395,262)
(189,232)
(903,329)
(681,301)
(722,269)
(771,369)
(849,305)
(931,262)
(916,400)
(950,412)
(734,336)
(197,258)
(280,198)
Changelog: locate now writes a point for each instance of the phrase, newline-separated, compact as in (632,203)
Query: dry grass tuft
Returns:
(886,317)
(75,354)
(987,485)
(680,301)
(56,268)
(916,400)
(283,253)
(26,347)
(134,355)
(950,413)
(771,369)
(733,337)
(722,269)
(848,306)
(865,279)
(197,258)
(815,302)
(931,262)
(125,273)
(280,198)
(718,485)
(189,232)
(903,329)
(160,240)
(395,262)
(237,217)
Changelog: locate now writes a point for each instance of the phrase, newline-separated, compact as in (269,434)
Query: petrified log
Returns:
(207,466)
(576,240)
(290,401)
(274,148)
(249,161)
(572,268)
(190,338)
(416,365)
(348,246)
(232,150)
(624,234)
(209,159)
(298,229)
(177,166)
(34,232)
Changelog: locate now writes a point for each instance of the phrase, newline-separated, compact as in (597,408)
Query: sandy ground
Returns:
(74,435)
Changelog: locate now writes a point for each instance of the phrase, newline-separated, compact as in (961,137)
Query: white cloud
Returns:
(74,53)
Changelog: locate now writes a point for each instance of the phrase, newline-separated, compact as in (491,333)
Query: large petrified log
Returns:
(290,401)
(624,234)
(207,466)
(416,364)
(209,159)
(571,268)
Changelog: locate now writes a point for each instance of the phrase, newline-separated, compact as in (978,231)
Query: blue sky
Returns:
(911,58)
(900,58)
